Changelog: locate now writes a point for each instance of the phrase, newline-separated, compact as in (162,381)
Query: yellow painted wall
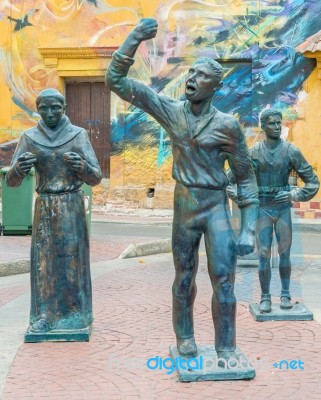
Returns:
(306,131)
(187,29)
(55,23)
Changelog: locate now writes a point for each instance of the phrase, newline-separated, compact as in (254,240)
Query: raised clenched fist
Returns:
(146,29)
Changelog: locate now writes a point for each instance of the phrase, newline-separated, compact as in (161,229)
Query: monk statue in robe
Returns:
(63,158)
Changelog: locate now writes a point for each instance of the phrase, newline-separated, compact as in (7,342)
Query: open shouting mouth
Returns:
(190,88)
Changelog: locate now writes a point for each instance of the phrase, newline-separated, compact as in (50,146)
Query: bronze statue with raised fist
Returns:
(202,139)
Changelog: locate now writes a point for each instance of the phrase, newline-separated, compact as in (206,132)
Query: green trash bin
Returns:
(17,205)
(88,194)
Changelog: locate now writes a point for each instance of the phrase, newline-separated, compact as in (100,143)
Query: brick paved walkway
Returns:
(14,248)
(132,307)
(101,248)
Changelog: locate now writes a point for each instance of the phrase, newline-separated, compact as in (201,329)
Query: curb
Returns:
(159,222)
(298,224)
(147,248)
(313,226)
(133,250)
(15,267)
(161,246)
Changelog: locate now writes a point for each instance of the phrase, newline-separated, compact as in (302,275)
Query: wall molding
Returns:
(73,62)
(76,52)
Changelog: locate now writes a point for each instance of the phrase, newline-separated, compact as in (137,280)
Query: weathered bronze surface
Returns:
(61,298)
(273,160)
(202,139)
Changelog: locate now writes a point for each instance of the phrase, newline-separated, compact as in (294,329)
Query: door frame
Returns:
(68,62)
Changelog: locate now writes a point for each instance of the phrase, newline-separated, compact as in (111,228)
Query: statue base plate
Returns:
(298,312)
(77,335)
(205,366)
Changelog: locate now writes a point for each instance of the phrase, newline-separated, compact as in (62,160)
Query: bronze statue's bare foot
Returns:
(187,347)
(227,359)
(285,303)
(265,304)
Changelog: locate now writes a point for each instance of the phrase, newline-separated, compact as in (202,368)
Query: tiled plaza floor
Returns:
(132,308)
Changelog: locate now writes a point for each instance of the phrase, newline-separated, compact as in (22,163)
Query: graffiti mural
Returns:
(255,41)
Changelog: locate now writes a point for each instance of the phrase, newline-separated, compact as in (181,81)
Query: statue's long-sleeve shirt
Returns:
(200,145)
(272,170)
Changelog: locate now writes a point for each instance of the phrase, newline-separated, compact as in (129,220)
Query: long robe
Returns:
(60,270)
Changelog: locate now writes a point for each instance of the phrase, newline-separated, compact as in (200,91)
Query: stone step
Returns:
(308,214)
(307,205)
(307,209)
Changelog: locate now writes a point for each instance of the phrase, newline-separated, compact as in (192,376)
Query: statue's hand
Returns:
(146,29)
(283,197)
(245,243)
(75,161)
(25,162)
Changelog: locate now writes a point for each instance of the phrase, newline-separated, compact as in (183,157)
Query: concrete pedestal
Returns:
(208,367)
(79,335)
(298,312)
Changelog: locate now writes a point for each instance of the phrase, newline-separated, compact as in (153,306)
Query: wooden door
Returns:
(88,106)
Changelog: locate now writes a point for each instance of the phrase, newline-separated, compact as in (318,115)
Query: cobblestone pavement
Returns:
(132,308)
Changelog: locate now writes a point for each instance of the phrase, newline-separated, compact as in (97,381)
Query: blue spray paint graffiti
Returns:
(271,73)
